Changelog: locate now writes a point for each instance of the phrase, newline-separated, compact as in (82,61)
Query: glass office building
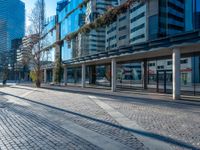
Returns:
(12,25)
(12,22)
(154,29)
(68,25)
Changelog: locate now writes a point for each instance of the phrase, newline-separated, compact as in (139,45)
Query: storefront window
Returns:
(129,75)
(160,75)
(103,75)
(74,75)
(98,75)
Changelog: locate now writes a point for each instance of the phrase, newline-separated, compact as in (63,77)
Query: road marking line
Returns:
(126,122)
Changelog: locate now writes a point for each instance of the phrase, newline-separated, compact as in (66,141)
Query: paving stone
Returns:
(180,122)
(35,132)
(29,128)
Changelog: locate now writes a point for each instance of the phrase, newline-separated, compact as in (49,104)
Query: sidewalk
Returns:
(100,116)
(126,94)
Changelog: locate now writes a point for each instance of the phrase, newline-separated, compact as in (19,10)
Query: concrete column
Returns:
(92,75)
(114,73)
(83,75)
(65,76)
(45,76)
(53,76)
(145,74)
(176,73)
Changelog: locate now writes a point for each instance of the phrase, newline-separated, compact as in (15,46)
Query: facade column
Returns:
(65,75)
(83,75)
(53,76)
(176,73)
(92,75)
(45,75)
(114,73)
(145,74)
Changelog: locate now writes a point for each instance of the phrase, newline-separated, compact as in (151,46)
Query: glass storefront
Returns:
(129,75)
(49,75)
(74,75)
(159,75)
(99,75)
(190,76)
(95,75)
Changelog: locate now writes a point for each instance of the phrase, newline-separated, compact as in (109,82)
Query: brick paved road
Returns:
(20,129)
(48,119)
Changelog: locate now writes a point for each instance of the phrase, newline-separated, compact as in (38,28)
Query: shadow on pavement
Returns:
(158,137)
(145,101)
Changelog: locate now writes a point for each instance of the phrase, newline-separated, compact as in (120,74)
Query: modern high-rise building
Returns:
(12,22)
(152,44)
(116,33)
(96,38)
(138,23)
(12,28)
(68,25)
(165,17)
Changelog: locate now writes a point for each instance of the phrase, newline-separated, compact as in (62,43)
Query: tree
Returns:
(36,30)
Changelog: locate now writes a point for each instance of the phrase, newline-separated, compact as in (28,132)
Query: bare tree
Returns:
(36,30)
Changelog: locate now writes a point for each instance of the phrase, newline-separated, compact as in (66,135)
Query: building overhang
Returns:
(188,43)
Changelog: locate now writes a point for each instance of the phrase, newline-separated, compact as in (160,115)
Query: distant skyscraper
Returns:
(12,22)
(12,28)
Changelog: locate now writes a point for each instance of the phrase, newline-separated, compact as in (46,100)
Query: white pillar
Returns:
(176,74)
(114,73)
(45,76)
(65,75)
(83,75)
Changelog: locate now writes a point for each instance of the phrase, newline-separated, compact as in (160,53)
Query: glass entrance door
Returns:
(164,81)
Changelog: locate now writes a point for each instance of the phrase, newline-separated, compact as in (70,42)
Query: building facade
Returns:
(152,45)
(12,25)
(197,13)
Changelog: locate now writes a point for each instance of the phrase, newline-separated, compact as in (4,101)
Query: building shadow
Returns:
(178,104)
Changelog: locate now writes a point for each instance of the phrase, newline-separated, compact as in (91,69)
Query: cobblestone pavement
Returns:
(20,129)
(177,121)
(42,123)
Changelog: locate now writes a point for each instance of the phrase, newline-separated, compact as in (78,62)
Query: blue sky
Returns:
(50,7)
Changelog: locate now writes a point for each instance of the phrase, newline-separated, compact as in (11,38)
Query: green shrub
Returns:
(33,76)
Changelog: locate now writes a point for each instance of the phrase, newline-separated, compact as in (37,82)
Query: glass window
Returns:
(129,74)
(153,27)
